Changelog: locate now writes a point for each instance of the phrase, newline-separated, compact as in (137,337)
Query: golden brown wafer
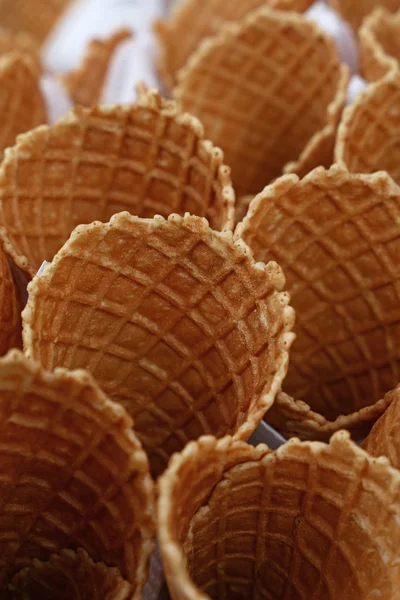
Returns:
(354,11)
(21,42)
(384,438)
(380,46)
(10,310)
(36,17)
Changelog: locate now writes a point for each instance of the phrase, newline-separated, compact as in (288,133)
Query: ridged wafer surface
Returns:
(174,320)
(368,139)
(306,521)
(380,45)
(147,159)
(36,17)
(267,89)
(384,438)
(73,473)
(355,11)
(190,22)
(336,236)
(70,575)
(10,310)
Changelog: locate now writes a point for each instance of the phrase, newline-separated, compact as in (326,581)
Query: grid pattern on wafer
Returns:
(337,239)
(369,134)
(10,312)
(379,44)
(18,15)
(262,89)
(308,521)
(146,159)
(72,473)
(384,437)
(182,328)
(355,12)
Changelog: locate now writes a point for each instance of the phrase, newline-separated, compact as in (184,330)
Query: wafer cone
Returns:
(10,310)
(309,520)
(147,159)
(69,575)
(23,43)
(21,103)
(73,474)
(269,90)
(354,11)
(181,327)
(380,46)
(85,85)
(190,22)
(241,208)
(384,438)
(36,18)
(369,135)
(336,236)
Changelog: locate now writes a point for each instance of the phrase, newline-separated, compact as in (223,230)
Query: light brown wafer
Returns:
(21,42)
(85,85)
(368,139)
(173,319)
(147,159)
(336,236)
(269,90)
(306,521)
(354,11)
(36,17)
(73,474)
(190,22)
(380,46)
(10,310)
(384,438)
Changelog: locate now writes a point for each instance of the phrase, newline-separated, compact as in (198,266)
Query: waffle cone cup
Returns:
(380,46)
(182,327)
(309,520)
(38,20)
(189,23)
(369,134)
(85,85)
(384,437)
(73,474)
(337,239)
(269,90)
(147,159)
(355,11)
(22,43)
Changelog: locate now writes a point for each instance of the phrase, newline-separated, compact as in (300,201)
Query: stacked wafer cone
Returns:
(380,46)
(307,521)
(337,238)
(269,90)
(147,158)
(384,438)
(37,20)
(190,22)
(173,319)
(73,475)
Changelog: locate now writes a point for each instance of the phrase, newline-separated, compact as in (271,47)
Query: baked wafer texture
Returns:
(384,437)
(174,321)
(241,208)
(368,139)
(21,103)
(309,520)
(147,159)
(85,85)
(380,45)
(10,310)
(354,11)
(269,90)
(190,22)
(73,474)
(37,19)
(69,575)
(337,239)
(11,41)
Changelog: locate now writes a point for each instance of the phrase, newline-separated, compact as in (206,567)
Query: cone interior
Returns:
(383,440)
(307,521)
(146,159)
(337,239)
(182,328)
(73,474)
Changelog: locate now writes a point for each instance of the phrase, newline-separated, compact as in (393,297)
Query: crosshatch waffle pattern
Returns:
(190,22)
(369,135)
(308,521)
(355,12)
(18,15)
(384,437)
(174,321)
(265,89)
(379,43)
(10,310)
(147,159)
(21,102)
(337,239)
(70,575)
(72,473)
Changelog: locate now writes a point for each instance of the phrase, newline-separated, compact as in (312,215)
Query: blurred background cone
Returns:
(380,44)
(147,159)
(336,236)
(368,139)
(36,17)
(306,521)
(10,309)
(269,90)
(190,22)
(173,319)
(22,43)
(384,439)
(73,474)
(354,11)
